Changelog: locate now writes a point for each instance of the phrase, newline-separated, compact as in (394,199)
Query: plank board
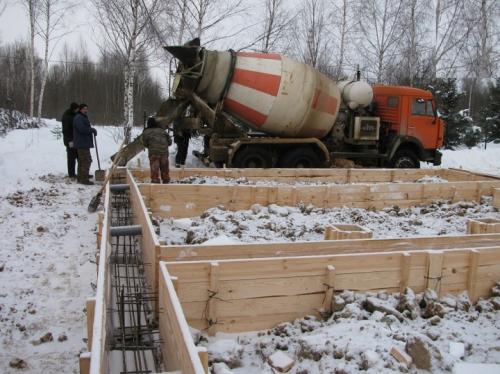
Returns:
(177,344)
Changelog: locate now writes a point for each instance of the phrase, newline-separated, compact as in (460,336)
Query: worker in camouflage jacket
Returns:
(157,140)
(83,140)
(67,130)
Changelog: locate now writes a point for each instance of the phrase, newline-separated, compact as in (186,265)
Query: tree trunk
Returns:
(45,61)
(31,10)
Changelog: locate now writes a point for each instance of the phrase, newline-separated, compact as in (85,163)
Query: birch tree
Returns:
(312,39)
(449,33)
(31,7)
(342,27)
(413,45)
(379,32)
(128,29)
(3,6)
(276,25)
(51,19)
(207,17)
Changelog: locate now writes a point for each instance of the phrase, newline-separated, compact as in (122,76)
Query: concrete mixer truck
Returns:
(267,110)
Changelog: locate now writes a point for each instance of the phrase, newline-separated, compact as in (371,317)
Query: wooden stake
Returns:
(330,288)
(203,354)
(434,270)
(90,307)
(472,276)
(85,363)
(212,301)
(405,271)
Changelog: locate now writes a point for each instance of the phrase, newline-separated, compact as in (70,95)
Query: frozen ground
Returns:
(363,329)
(276,223)
(47,252)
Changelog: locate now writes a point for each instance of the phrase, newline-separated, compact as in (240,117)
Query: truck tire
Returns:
(405,159)
(303,157)
(253,157)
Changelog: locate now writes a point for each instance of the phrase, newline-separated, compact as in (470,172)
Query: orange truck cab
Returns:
(410,128)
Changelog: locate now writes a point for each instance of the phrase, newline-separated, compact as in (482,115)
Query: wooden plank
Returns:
(249,250)
(213,297)
(177,344)
(434,270)
(90,308)
(100,324)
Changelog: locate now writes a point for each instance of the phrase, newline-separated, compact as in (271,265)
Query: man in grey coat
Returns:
(83,140)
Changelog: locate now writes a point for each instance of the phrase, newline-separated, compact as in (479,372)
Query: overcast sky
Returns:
(14,25)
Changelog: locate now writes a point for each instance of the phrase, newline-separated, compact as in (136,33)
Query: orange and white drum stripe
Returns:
(254,86)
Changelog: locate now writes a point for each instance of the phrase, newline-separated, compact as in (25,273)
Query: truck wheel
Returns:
(253,157)
(303,157)
(405,159)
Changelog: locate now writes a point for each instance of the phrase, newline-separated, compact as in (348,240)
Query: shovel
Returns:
(99,174)
(96,200)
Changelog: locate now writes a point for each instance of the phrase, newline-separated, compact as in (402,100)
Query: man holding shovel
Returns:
(83,140)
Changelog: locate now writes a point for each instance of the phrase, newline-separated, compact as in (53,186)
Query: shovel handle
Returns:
(97,152)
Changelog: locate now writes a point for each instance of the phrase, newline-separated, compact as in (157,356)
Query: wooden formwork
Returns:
(97,318)
(483,226)
(179,201)
(255,294)
(323,175)
(245,287)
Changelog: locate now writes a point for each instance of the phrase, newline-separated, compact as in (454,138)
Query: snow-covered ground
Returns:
(475,159)
(48,244)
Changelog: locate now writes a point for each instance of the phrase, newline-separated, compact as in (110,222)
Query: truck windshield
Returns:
(421,107)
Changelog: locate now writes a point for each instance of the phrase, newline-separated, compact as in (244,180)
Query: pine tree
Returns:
(490,114)
(459,127)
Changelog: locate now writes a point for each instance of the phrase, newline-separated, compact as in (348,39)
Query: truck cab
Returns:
(410,129)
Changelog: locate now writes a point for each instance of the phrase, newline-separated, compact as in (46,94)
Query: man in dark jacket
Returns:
(67,130)
(156,140)
(181,139)
(83,141)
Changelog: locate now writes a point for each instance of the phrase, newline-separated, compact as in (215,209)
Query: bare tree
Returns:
(450,31)
(3,6)
(481,48)
(52,13)
(277,21)
(312,39)
(130,29)
(341,29)
(413,48)
(206,17)
(32,10)
(380,31)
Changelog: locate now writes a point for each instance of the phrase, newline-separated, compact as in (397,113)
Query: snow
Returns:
(48,249)
(475,159)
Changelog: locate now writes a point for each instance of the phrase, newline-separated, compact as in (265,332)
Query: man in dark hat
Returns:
(83,141)
(67,130)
